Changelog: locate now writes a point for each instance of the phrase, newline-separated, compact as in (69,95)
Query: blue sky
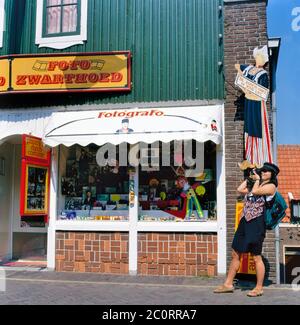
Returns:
(280,21)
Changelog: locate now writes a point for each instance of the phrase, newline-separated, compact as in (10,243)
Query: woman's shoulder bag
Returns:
(275,211)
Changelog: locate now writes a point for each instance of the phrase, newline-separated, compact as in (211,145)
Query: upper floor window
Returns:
(2,21)
(61,17)
(61,23)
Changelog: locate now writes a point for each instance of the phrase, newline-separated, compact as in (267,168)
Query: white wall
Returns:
(5,202)
(16,187)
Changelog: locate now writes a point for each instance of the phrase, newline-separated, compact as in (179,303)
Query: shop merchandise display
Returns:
(91,192)
(94,193)
(176,198)
(36,188)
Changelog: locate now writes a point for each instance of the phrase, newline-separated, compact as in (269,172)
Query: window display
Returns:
(90,191)
(36,196)
(166,194)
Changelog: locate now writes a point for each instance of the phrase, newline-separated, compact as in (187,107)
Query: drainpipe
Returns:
(274,121)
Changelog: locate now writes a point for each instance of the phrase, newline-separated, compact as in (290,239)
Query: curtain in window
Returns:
(62,16)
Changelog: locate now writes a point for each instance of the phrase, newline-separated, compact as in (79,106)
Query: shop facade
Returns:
(137,221)
(160,115)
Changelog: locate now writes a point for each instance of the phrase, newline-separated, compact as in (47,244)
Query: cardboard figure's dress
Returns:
(258,148)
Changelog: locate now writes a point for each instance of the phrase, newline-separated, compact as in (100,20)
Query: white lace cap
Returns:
(262,51)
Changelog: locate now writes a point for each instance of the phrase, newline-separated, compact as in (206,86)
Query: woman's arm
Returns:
(268,189)
(243,188)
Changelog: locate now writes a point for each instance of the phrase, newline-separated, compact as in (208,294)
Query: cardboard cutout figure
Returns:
(190,203)
(258,148)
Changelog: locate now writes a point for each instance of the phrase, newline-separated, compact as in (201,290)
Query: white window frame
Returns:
(2,21)
(60,42)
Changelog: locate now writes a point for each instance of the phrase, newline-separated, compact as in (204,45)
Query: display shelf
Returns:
(171,226)
(91,225)
(94,215)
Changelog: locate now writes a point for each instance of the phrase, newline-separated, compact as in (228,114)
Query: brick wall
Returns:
(185,254)
(92,252)
(245,28)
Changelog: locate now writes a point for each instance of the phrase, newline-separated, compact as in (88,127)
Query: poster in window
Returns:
(35,174)
(36,190)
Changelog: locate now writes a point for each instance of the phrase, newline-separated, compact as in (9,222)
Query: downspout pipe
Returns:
(274,123)
(277,234)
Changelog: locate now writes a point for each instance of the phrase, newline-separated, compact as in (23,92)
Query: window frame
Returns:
(295,206)
(61,34)
(2,21)
(64,40)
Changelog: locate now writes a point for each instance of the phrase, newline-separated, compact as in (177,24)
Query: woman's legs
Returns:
(260,271)
(233,268)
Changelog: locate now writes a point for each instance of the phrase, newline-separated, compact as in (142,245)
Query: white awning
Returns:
(148,125)
(23,122)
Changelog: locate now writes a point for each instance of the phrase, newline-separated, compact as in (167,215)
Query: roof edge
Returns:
(232,1)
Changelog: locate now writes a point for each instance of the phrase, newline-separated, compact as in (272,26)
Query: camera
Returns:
(250,181)
(253,172)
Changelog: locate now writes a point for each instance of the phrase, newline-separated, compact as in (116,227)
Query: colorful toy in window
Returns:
(253,80)
(191,209)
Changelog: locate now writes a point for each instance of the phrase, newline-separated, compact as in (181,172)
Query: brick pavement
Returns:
(58,288)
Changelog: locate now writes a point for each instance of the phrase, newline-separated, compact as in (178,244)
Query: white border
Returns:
(141,226)
(61,42)
(165,226)
(133,227)
(221,202)
(79,225)
(2,21)
(51,238)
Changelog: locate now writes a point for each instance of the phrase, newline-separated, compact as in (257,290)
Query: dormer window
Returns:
(61,18)
(61,23)
(2,21)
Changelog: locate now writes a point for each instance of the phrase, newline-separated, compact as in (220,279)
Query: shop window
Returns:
(174,183)
(61,23)
(295,209)
(2,21)
(171,193)
(61,17)
(89,191)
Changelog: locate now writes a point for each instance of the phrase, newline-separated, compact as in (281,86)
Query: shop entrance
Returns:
(292,263)
(23,241)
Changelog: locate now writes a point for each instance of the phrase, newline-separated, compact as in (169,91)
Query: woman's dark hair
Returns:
(273,179)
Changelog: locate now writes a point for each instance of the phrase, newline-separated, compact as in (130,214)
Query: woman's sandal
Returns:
(255,293)
(224,289)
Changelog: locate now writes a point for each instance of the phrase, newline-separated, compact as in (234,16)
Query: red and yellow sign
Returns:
(71,72)
(35,177)
(34,148)
(247,265)
(4,75)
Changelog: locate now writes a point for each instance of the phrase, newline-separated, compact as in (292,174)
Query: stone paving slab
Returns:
(58,288)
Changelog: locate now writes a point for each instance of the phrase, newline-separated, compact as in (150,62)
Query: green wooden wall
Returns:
(176,46)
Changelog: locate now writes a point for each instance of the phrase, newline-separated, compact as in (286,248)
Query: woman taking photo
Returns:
(251,231)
